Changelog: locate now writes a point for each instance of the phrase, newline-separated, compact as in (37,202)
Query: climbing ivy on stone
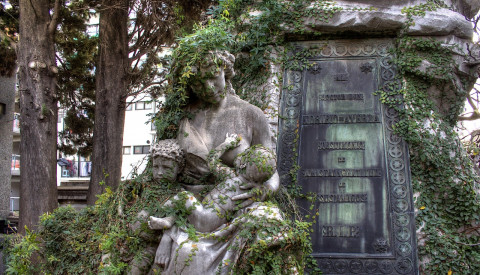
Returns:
(445,184)
(191,50)
(444,181)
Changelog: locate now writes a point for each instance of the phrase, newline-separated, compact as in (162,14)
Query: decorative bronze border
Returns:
(400,193)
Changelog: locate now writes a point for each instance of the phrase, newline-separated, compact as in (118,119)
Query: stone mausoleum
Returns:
(337,131)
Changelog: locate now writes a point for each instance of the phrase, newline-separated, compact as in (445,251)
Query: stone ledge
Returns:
(390,20)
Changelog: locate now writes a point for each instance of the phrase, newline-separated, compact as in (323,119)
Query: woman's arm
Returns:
(260,135)
(214,164)
(256,193)
(260,129)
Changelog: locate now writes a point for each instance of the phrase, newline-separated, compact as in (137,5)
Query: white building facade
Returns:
(138,135)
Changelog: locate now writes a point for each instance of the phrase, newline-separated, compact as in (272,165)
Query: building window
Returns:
(92,30)
(129,107)
(127,150)
(141,149)
(140,105)
(16,123)
(143,105)
(61,115)
(73,168)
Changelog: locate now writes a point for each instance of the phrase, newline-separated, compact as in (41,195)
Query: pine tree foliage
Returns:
(8,37)
(76,54)
(154,25)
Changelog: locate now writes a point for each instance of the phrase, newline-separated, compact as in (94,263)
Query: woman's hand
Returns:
(258,192)
(231,141)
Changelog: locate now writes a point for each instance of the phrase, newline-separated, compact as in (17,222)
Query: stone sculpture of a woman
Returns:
(217,113)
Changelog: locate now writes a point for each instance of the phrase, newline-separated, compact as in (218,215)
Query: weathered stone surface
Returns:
(224,127)
(268,93)
(466,7)
(469,8)
(442,22)
(390,20)
(467,62)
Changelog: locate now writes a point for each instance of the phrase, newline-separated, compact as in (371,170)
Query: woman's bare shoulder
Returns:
(248,108)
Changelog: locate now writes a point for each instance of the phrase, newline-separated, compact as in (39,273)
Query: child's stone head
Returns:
(256,164)
(168,159)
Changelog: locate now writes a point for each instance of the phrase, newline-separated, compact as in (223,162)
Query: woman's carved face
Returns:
(215,86)
(210,83)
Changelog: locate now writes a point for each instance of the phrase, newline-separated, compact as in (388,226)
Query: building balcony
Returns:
(15,169)
(16,124)
(14,204)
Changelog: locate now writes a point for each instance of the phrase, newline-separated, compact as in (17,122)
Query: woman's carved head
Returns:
(212,76)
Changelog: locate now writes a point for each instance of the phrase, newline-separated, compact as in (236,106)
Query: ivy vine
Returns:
(443,177)
(444,180)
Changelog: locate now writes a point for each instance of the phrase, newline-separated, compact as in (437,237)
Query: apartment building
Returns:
(73,172)
(9,172)
(138,134)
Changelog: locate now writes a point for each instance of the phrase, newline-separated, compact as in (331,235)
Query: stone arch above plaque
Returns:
(339,138)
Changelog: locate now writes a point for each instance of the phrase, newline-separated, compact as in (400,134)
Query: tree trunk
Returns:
(111,90)
(38,111)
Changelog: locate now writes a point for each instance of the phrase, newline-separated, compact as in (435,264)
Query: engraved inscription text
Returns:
(337,198)
(340,97)
(337,119)
(341,231)
(348,145)
(342,172)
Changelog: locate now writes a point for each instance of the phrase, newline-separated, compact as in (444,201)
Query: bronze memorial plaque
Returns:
(338,139)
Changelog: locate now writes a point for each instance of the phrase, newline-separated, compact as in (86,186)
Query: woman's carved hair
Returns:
(228,60)
(219,58)
(168,149)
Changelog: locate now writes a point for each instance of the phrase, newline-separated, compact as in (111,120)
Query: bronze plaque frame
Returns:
(396,253)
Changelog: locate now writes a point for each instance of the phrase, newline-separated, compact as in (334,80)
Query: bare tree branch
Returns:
(52,27)
(475,114)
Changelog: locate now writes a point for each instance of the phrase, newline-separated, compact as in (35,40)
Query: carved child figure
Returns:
(252,168)
(168,160)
